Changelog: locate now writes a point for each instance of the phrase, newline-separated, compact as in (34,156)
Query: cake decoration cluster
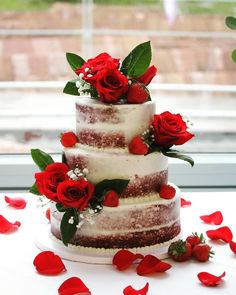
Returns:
(107,79)
(166,130)
(75,197)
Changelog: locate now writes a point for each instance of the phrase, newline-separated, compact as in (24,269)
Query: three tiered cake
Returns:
(111,191)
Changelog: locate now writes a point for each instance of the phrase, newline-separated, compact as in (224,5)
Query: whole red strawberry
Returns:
(137,93)
(195,239)
(167,191)
(137,146)
(111,199)
(202,252)
(68,139)
(180,250)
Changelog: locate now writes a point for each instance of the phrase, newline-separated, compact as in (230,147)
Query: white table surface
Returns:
(17,252)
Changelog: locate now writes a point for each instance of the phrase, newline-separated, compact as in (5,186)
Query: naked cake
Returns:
(111,190)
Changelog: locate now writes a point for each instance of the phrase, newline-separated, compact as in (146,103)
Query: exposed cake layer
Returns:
(111,126)
(127,226)
(146,173)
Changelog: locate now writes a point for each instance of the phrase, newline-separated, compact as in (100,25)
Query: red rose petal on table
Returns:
(124,258)
(184,203)
(47,214)
(214,218)
(232,246)
(151,264)
(18,203)
(73,286)
(222,233)
(7,226)
(209,279)
(47,263)
(131,291)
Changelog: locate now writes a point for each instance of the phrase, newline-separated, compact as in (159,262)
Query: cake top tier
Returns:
(111,126)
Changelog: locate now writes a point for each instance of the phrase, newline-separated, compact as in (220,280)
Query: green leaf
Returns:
(117,185)
(178,155)
(230,22)
(60,207)
(34,190)
(67,229)
(71,88)
(41,159)
(74,60)
(138,60)
(234,55)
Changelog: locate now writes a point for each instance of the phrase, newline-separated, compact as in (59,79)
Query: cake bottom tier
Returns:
(137,223)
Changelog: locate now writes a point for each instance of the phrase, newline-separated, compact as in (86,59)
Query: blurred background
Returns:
(191,47)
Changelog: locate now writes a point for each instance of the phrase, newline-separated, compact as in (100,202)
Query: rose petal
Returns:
(7,226)
(151,264)
(214,218)
(184,203)
(210,280)
(124,258)
(47,214)
(18,203)
(73,286)
(223,233)
(47,263)
(232,246)
(131,291)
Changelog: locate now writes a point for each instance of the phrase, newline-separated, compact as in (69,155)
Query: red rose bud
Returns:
(147,77)
(167,191)
(137,146)
(69,139)
(111,199)
(137,93)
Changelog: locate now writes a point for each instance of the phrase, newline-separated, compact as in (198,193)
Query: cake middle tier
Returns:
(146,173)
(111,126)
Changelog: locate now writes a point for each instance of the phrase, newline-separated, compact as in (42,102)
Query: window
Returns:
(191,48)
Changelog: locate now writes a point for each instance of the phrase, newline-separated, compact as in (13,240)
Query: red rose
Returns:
(75,193)
(90,68)
(147,77)
(170,129)
(111,85)
(137,146)
(68,139)
(48,180)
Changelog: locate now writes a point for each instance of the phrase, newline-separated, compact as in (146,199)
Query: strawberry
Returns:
(137,146)
(137,93)
(167,191)
(180,250)
(69,139)
(195,239)
(202,252)
(111,199)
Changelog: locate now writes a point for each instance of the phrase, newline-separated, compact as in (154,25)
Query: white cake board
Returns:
(45,242)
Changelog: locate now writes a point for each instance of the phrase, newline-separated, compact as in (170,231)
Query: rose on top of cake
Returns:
(108,80)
